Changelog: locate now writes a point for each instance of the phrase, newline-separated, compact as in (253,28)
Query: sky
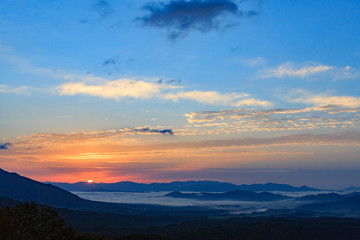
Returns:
(249,91)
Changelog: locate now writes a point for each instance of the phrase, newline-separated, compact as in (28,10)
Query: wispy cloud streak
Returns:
(216,98)
(310,70)
(288,69)
(325,99)
(16,90)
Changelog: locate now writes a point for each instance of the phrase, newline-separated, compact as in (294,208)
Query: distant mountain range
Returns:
(241,195)
(352,189)
(347,207)
(324,197)
(19,188)
(237,195)
(192,186)
(15,188)
(122,219)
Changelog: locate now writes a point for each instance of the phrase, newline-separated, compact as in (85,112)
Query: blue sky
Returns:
(188,86)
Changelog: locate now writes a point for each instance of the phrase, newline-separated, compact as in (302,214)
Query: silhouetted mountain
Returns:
(126,186)
(352,194)
(192,186)
(177,194)
(5,201)
(21,188)
(353,201)
(352,189)
(349,206)
(325,197)
(237,195)
(275,187)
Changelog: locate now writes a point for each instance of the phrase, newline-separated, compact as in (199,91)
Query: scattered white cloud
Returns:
(112,89)
(325,99)
(50,140)
(304,70)
(256,61)
(252,102)
(346,72)
(139,89)
(279,120)
(321,100)
(209,97)
(216,98)
(16,90)
(288,69)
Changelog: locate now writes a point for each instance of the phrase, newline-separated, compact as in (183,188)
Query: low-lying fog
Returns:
(159,198)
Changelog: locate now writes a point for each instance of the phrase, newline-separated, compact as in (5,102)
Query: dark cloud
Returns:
(103,8)
(150,130)
(180,16)
(5,145)
(109,65)
(171,81)
(110,61)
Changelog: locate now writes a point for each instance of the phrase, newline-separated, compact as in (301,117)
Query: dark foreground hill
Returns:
(258,229)
(140,221)
(31,221)
(89,221)
(192,186)
(20,188)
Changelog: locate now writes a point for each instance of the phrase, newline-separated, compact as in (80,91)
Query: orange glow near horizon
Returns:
(149,161)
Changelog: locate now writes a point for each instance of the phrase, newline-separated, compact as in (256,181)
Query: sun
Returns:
(90,181)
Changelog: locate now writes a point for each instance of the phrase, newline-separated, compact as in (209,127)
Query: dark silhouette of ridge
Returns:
(352,189)
(238,195)
(6,201)
(21,188)
(353,194)
(275,187)
(324,197)
(347,207)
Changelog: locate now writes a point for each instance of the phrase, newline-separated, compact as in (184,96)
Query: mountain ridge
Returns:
(201,186)
(237,195)
(16,187)
(21,188)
